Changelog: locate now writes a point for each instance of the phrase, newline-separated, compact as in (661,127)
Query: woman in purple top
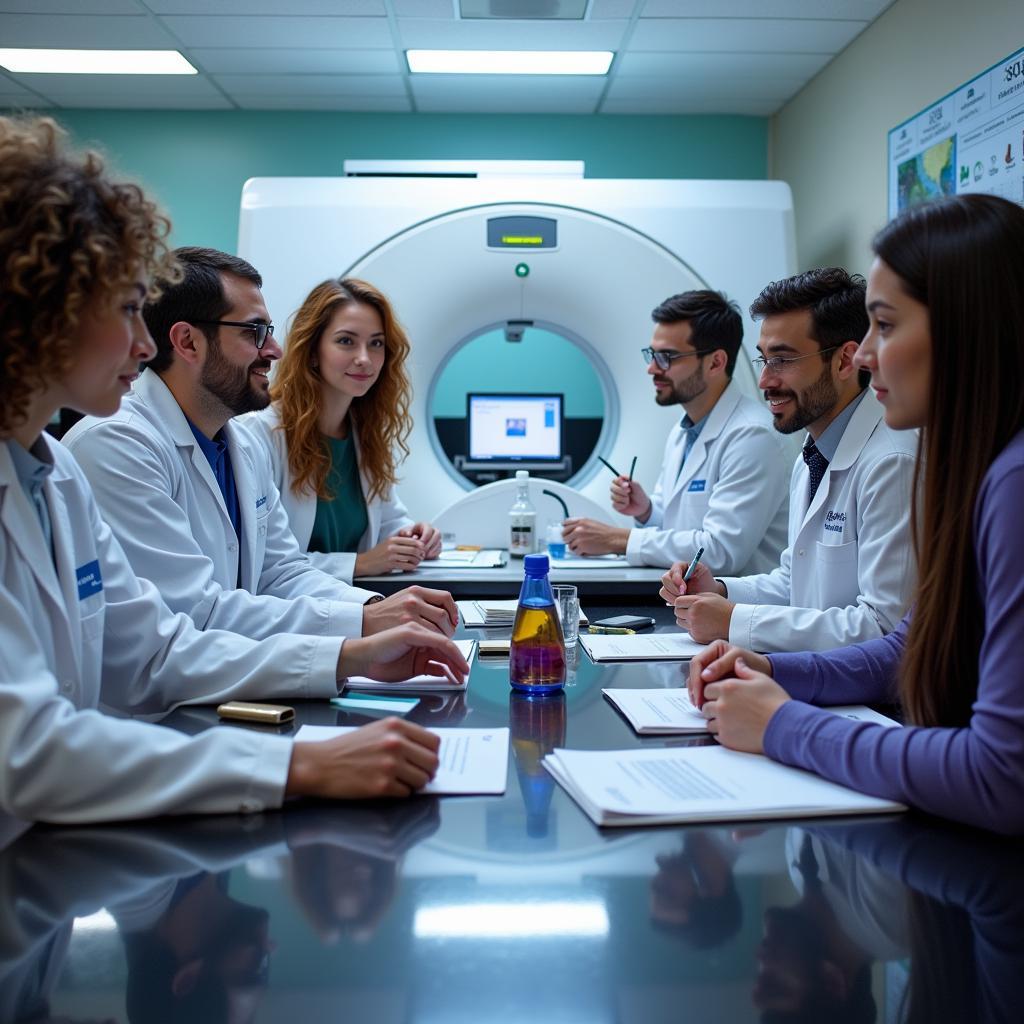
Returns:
(946,354)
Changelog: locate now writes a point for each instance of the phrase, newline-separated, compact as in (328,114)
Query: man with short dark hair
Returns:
(722,485)
(848,572)
(190,494)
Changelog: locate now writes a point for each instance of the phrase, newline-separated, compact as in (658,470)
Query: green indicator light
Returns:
(522,270)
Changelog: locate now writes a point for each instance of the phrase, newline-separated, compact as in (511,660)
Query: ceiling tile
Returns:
(382,104)
(802,65)
(744,35)
(424,9)
(421,33)
(721,87)
(523,9)
(857,10)
(691,105)
(315,33)
(130,101)
(613,8)
(504,94)
(248,8)
(61,87)
(90,32)
(281,61)
(313,85)
(70,7)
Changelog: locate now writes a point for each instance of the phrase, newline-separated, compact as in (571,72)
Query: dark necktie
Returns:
(816,466)
(691,430)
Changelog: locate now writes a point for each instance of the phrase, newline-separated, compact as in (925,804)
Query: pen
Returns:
(605,462)
(612,629)
(632,466)
(693,565)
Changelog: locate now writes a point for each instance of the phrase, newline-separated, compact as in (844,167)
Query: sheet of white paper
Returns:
(502,612)
(640,647)
(472,760)
(650,711)
(416,684)
(589,561)
(698,783)
(489,558)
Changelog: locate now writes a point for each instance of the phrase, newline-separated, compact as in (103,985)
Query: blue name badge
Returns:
(90,580)
(260,502)
(696,485)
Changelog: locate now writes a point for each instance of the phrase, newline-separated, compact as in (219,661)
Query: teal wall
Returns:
(542,361)
(196,161)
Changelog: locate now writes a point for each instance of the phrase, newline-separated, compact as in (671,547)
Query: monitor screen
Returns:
(526,428)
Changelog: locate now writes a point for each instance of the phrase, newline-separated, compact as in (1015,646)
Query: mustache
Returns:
(260,364)
(769,395)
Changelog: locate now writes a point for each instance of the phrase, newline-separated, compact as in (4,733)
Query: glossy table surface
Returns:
(512,908)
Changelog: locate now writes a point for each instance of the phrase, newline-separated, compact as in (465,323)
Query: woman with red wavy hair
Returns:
(340,408)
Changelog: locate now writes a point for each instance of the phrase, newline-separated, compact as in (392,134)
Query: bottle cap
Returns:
(536,565)
(522,474)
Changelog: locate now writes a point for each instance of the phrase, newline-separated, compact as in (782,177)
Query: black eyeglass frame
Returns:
(665,357)
(260,331)
(778,364)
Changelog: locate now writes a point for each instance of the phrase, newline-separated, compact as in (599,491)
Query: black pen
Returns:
(632,466)
(605,462)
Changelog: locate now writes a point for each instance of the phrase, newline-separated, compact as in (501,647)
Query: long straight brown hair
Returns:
(963,258)
(380,417)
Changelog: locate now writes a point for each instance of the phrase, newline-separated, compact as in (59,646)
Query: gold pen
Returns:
(612,629)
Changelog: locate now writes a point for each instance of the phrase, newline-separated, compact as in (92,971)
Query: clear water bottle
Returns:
(537,653)
(522,519)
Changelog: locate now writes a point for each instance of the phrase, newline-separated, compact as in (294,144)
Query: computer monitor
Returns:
(514,427)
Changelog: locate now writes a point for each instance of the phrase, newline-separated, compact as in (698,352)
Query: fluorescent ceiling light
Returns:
(512,920)
(96,62)
(509,62)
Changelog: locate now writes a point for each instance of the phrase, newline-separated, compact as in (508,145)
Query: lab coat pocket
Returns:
(693,508)
(836,581)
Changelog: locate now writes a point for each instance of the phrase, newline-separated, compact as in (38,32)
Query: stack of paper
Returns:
(495,613)
(572,561)
(681,784)
(667,712)
(452,558)
(472,760)
(417,684)
(641,647)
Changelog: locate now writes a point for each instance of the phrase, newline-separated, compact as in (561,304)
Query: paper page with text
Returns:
(658,711)
(641,646)
(415,684)
(680,784)
(472,760)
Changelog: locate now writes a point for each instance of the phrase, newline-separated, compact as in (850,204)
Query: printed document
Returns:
(666,712)
(682,784)
(495,613)
(589,561)
(472,760)
(417,684)
(640,646)
(487,558)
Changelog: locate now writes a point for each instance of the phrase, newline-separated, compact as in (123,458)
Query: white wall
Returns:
(829,141)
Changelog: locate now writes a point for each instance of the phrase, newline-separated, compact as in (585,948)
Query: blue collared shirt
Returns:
(32,467)
(217,455)
(692,431)
(828,443)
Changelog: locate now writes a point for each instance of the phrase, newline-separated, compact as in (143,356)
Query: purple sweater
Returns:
(973,774)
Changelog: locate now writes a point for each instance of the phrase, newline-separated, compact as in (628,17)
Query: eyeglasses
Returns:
(260,331)
(779,364)
(665,357)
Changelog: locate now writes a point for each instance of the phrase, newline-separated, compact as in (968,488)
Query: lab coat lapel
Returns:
(65,556)
(21,524)
(244,488)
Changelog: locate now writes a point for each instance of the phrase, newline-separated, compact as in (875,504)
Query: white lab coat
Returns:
(729,498)
(157,491)
(91,635)
(386,515)
(848,572)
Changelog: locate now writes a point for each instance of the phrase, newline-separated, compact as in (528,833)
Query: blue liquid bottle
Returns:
(537,653)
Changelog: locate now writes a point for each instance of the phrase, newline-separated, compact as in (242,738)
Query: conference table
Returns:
(511,908)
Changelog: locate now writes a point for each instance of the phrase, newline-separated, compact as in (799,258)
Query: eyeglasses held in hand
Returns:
(778,364)
(665,357)
(260,332)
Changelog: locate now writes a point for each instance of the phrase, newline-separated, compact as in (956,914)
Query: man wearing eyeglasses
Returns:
(190,494)
(848,573)
(722,485)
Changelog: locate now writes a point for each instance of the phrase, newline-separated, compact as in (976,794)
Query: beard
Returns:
(810,404)
(685,391)
(232,386)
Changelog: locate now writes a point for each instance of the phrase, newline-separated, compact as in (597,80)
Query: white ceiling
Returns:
(672,56)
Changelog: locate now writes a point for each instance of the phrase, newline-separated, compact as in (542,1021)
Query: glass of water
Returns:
(568,605)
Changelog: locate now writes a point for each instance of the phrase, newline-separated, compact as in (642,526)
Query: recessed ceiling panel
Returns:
(427,34)
(84,31)
(315,33)
(542,9)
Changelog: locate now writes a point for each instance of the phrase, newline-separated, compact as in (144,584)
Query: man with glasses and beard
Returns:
(190,494)
(848,572)
(722,485)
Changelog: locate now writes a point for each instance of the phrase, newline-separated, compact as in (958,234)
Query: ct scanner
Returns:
(616,249)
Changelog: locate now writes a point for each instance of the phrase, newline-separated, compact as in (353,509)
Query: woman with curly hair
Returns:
(340,408)
(78,629)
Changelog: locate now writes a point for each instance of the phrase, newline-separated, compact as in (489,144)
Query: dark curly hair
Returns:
(70,238)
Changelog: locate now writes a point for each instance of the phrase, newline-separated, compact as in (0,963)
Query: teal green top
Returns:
(341,522)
